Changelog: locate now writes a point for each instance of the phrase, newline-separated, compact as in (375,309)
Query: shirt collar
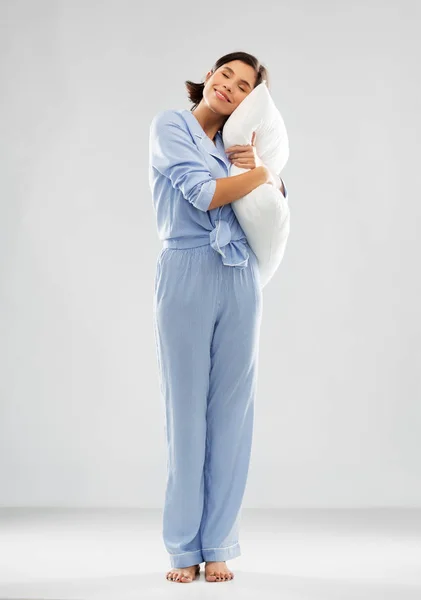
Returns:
(196,129)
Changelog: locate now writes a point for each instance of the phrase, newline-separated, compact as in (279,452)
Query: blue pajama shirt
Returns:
(207,316)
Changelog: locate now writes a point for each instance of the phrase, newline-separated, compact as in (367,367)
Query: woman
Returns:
(207,314)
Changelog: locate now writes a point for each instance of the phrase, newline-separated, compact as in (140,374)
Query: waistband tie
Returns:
(234,252)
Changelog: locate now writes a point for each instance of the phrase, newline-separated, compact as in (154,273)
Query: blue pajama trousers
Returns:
(207,319)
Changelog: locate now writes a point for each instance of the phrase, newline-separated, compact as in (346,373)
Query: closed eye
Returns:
(225,75)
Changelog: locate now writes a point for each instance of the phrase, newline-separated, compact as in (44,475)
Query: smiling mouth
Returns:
(220,96)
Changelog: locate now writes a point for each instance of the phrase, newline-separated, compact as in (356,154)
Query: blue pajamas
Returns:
(207,322)
(207,315)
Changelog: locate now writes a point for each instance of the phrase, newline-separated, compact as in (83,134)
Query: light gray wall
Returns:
(338,414)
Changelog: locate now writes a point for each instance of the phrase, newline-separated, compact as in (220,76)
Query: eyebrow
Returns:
(241,80)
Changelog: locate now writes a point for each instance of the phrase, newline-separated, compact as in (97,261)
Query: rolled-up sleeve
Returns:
(174,154)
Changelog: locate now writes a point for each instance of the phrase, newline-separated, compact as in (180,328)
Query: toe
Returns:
(180,576)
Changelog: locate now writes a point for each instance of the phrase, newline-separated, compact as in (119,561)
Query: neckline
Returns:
(218,133)
(216,148)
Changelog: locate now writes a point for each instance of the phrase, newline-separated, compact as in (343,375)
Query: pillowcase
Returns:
(263,213)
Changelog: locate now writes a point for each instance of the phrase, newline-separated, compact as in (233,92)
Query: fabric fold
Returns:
(234,252)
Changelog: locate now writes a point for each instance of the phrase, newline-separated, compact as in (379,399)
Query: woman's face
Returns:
(235,79)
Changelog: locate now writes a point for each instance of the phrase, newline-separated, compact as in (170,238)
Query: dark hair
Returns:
(195,90)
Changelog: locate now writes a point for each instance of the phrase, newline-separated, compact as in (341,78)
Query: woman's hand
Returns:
(244,156)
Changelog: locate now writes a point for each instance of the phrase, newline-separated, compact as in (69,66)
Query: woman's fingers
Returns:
(243,155)
(241,149)
(245,164)
(242,152)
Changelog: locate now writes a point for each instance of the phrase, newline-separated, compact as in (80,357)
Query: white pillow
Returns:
(263,213)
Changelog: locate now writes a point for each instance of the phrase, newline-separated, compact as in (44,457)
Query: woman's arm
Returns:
(173,154)
(229,189)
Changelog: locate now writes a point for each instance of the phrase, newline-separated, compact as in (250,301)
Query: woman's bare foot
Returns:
(217,571)
(183,574)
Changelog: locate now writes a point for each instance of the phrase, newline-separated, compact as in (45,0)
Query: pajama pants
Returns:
(207,319)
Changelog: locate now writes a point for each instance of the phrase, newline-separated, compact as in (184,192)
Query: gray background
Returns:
(338,414)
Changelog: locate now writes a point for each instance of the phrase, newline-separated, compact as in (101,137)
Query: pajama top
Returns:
(184,164)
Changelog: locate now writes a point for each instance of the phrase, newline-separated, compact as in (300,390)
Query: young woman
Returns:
(207,315)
